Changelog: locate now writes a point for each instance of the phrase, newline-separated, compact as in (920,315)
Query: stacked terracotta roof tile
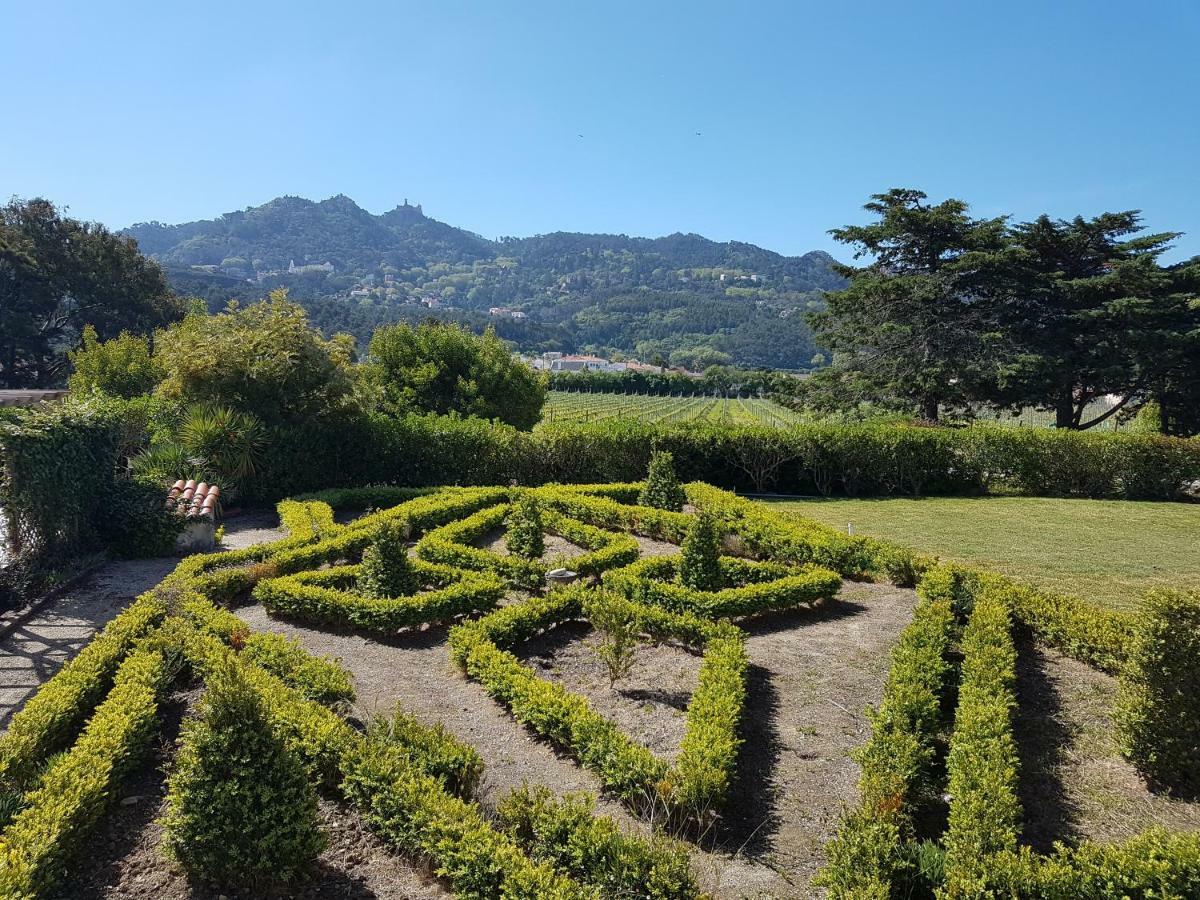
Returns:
(194,500)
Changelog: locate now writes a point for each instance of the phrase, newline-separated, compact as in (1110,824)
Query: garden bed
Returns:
(1074,782)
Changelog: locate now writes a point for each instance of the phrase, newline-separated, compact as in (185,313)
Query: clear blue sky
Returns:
(133,111)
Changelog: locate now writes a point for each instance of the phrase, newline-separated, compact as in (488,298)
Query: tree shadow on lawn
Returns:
(1043,739)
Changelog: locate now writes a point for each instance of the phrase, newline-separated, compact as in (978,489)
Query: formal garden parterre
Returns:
(938,812)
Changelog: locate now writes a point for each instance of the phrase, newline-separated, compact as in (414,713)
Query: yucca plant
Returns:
(229,442)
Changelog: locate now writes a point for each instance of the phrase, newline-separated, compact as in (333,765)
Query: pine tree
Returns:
(240,808)
(386,570)
(662,489)
(525,529)
(700,567)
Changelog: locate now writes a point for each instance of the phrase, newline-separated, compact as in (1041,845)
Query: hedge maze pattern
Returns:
(67,750)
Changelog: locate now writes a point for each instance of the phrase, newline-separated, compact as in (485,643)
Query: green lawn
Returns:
(1110,551)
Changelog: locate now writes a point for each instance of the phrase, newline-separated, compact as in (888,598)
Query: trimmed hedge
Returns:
(320,597)
(74,791)
(315,677)
(1158,703)
(594,508)
(592,849)
(757,587)
(414,813)
(698,781)
(982,768)
(450,545)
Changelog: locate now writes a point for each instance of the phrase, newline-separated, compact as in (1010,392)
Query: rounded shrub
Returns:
(1158,701)
(240,808)
(386,570)
(662,489)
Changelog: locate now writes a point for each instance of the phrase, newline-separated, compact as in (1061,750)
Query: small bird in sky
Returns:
(580,135)
(697,134)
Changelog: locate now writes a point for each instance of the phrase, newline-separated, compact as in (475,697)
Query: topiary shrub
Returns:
(386,570)
(240,809)
(700,566)
(1158,701)
(525,528)
(662,489)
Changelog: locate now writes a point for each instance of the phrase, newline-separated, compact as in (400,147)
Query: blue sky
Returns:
(135,111)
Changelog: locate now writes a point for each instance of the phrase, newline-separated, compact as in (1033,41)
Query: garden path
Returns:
(40,645)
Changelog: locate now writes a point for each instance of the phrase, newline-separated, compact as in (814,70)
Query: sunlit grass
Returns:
(1110,551)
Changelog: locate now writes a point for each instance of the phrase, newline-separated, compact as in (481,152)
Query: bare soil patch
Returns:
(812,675)
(650,705)
(1074,783)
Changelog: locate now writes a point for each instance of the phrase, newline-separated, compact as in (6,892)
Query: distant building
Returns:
(294,269)
(585,364)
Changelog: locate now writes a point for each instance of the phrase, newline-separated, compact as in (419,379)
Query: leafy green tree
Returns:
(264,360)
(58,275)
(525,536)
(442,368)
(240,808)
(386,571)
(662,489)
(1092,313)
(119,367)
(699,567)
(915,320)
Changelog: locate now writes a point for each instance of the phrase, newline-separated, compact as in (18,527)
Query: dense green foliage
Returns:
(58,276)
(262,359)
(119,367)
(1053,314)
(525,536)
(699,564)
(662,490)
(680,297)
(240,810)
(76,787)
(1158,704)
(386,571)
(566,834)
(443,368)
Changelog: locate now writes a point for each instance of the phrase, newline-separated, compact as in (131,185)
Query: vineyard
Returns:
(570,407)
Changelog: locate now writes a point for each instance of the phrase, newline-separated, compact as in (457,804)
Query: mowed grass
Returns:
(1108,551)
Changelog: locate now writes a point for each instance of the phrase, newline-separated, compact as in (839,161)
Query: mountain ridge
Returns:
(680,294)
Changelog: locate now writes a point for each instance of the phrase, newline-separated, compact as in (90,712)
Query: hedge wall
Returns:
(862,460)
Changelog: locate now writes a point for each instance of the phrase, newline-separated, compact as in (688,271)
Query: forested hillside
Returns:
(680,297)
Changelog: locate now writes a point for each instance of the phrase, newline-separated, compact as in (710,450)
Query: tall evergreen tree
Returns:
(916,319)
(1090,315)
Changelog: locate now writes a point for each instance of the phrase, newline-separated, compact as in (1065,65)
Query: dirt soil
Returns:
(1074,782)
(649,705)
(811,675)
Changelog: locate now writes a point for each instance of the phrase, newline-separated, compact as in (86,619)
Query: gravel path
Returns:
(39,646)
